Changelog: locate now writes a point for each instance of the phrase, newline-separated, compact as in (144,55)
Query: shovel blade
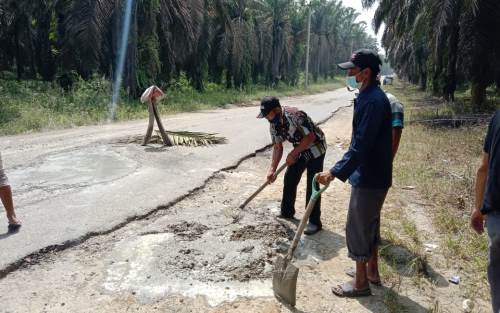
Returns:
(285,281)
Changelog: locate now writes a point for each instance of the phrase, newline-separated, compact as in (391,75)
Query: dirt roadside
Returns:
(205,255)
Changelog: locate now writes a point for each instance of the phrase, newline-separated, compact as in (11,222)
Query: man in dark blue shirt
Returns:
(368,166)
(488,204)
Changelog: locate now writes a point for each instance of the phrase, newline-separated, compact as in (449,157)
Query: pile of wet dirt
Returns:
(188,230)
(184,230)
(267,232)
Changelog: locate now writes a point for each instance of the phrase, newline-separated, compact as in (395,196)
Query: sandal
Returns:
(352,273)
(12,228)
(347,290)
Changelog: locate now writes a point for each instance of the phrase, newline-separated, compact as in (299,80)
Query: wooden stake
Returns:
(166,140)
(151,123)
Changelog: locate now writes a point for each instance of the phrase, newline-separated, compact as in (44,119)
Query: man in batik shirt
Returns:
(309,147)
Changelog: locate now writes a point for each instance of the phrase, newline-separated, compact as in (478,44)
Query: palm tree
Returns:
(243,41)
(297,40)
(166,25)
(425,39)
(274,16)
(19,35)
(235,45)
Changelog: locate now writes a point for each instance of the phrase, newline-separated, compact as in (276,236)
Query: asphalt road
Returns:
(72,183)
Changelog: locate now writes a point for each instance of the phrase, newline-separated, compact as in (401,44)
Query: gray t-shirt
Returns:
(397,111)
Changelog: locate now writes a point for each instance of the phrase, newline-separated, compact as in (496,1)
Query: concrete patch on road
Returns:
(154,266)
(204,246)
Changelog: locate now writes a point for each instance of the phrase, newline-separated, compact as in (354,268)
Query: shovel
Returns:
(264,185)
(285,274)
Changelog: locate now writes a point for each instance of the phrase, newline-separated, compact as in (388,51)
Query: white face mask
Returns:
(352,84)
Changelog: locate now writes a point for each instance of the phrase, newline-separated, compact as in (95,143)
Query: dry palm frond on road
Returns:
(179,138)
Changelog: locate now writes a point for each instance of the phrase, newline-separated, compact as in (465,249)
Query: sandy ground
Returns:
(203,254)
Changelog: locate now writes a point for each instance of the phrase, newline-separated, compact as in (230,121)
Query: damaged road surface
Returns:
(201,253)
(205,255)
(74,184)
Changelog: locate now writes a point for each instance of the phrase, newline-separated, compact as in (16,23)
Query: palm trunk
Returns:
(45,60)
(497,81)
(478,92)
(30,53)
(308,44)
(277,52)
(19,57)
(451,81)
(196,68)
(423,79)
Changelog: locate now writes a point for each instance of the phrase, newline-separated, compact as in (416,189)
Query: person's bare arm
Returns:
(277,155)
(304,144)
(396,138)
(477,219)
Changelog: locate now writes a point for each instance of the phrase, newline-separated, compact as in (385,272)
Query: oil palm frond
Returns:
(178,138)
(194,139)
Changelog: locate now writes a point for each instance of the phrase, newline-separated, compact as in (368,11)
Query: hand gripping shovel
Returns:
(264,185)
(285,274)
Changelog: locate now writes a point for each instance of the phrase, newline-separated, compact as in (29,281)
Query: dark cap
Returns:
(363,58)
(267,105)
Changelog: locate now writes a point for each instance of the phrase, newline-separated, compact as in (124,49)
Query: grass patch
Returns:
(28,106)
(392,302)
(442,163)
(402,256)
(435,308)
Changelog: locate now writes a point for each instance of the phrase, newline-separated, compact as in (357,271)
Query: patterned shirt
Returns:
(297,125)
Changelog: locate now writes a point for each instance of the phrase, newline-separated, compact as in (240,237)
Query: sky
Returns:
(367,16)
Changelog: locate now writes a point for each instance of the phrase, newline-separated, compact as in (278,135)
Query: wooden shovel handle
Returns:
(264,185)
(316,193)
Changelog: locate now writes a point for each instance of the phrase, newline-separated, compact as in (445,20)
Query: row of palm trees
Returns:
(231,42)
(442,44)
